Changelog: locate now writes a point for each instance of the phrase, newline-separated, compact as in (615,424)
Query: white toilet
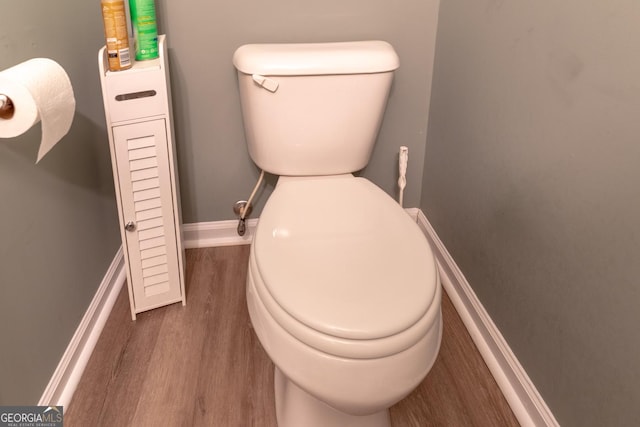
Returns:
(342,289)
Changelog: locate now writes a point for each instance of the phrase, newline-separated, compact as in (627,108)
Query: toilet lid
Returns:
(340,256)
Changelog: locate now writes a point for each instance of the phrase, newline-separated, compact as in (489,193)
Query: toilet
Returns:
(342,287)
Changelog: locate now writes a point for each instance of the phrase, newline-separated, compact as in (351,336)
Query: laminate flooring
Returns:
(202,365)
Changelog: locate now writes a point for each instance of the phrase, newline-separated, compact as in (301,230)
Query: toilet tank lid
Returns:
(298,59)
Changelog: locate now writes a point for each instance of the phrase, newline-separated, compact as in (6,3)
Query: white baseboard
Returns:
(217,233)
(522,396)
(65,379)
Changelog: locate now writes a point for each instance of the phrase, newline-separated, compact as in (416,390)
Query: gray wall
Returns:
(531,180)
(58,219)
(215,169)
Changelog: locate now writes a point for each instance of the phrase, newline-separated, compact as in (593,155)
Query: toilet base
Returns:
(295,407)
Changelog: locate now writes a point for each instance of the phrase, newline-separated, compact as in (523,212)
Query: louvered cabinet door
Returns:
(148,218)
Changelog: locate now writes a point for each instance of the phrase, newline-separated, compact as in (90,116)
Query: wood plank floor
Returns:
(202,365)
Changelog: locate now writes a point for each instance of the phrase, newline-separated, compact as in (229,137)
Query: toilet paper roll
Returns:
(41,91)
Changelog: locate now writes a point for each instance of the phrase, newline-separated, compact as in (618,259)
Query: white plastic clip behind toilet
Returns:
(403,159)
(267,83)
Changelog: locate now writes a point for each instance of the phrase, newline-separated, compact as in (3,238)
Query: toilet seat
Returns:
(343,268)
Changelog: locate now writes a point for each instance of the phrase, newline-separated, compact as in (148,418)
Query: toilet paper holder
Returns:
(6,107)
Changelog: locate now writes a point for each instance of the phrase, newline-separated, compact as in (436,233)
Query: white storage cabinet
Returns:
(137,104)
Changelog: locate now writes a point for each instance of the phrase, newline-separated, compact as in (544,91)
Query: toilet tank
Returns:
(313,108)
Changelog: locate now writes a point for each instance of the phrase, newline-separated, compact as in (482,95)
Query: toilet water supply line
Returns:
(242,228)
(403,159)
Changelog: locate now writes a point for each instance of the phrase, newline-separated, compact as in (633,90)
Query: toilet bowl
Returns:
(343,300)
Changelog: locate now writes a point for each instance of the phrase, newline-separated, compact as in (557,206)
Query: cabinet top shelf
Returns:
(149,64)
(141,66)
